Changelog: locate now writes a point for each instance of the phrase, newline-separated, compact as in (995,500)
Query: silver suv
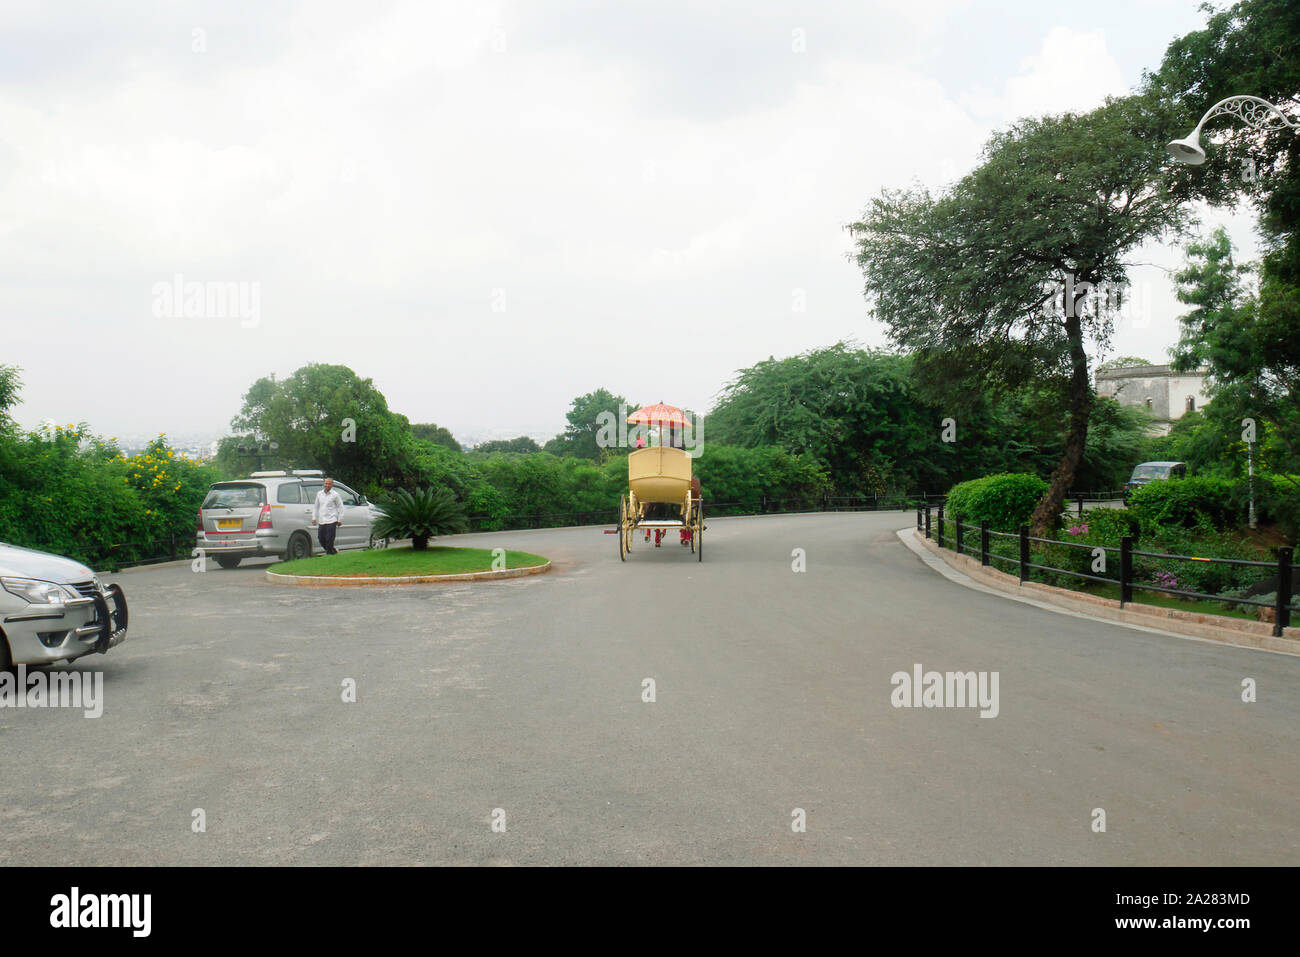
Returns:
(269,513)
(53,608)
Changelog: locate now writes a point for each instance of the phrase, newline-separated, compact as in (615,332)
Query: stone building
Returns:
(1158,389)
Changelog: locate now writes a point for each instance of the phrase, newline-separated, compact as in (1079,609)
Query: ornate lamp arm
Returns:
(1251,110)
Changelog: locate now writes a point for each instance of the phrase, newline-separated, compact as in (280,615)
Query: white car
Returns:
(269,513)
(54,609)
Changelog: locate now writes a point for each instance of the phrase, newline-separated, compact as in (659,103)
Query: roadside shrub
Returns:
(1203,541)
(420,515)
(67,491)
(1277,501)
(1186,503)
(1106,526)
(1005,501)
(742,477)
(488,505)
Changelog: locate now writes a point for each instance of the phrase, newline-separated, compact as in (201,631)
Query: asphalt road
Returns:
(773,692)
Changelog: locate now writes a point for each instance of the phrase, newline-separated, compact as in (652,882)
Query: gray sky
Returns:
(491,207)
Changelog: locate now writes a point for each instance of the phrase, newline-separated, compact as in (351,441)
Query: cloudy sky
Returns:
(491,207)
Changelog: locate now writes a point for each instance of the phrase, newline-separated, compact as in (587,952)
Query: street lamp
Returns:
(1254,112)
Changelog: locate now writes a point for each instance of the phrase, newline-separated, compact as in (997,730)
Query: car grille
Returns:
(86,589)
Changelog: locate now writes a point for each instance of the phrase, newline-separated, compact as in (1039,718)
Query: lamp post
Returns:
(1251,110)
(1250,469)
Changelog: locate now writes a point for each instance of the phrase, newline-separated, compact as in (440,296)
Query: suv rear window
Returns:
(235,495)
(290,493)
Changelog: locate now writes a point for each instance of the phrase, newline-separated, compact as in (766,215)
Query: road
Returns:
(772,693)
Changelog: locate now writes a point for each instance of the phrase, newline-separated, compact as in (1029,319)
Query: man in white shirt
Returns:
(326,513)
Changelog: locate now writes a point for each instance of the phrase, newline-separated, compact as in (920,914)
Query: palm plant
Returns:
(420,516)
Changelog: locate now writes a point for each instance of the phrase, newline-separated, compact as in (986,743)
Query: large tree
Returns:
(522,444)
(430,432)
(1250,376)
(326,417)
(10,386)
(1248,341)
(855,411)
(996,281)
(584,416)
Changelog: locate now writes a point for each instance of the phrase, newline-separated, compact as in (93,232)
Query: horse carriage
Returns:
(662,494)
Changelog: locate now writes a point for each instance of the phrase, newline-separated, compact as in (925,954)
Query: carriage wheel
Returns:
(622,528)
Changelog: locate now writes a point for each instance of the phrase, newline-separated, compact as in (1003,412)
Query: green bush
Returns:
(67,491)
(742,477)
(1187,503)
(1277,501)
(1204,541)
(420,515)
(488,505)
(1103,526)
(1005,501)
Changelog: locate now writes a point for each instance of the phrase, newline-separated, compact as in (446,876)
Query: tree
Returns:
(10,386)
(1250,376)
(1252,349)
(579,437)
(436,434)
(996,281)
(326,417)
(1122,362)
(521,444)
(855,411)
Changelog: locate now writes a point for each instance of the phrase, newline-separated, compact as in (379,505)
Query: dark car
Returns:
(1154,472)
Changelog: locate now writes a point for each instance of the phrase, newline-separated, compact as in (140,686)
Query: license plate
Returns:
(229,524)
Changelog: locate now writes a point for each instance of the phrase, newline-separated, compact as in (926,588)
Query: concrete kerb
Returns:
(341,581)
(967,571)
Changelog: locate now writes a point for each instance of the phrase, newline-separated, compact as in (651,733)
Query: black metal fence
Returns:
(936,527)
(763,505)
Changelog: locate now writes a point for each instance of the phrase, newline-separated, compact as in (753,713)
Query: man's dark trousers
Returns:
(326,536)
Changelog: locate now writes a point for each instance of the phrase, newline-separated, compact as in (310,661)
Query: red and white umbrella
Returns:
(658,414)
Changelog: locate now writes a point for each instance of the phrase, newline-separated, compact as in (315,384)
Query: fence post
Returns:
(1081,506)
(958,542)
(762,505)
(172,536)
(927,521)
(537,519)
(1282,614)
(1024,553)
(984,542)
(940,529)
(918,518)
(1125,570)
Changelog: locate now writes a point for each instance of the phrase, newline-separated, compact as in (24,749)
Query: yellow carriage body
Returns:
(659,474)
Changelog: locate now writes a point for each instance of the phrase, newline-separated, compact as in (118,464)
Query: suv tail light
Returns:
(264,520)
(199,526)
